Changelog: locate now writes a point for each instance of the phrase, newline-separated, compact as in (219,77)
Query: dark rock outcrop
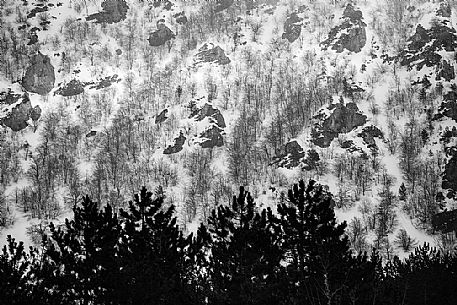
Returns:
(444,10)
(342,119)
(177,146)
(39,76)
(180,18)
(291,156)
(9,97)
(350,88)
(161,117)
(449,106)
(113,11)
(212,137)
(211,54)
(425,45)
(368,134)
(73,87)
(445,222)
(207,111)
(449,109)
(37,9)
(104,82)
(350,34)
(222,5)
(16,114)
(161,35)
(292,27)
(446,71)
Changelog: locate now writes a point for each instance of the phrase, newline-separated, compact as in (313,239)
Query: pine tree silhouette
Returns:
(245,253)
(153,253)
(318,250)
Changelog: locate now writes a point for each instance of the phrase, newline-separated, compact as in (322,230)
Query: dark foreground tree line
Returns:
(244,255)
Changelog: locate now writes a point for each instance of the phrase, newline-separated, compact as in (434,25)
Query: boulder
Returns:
(177,146)
(35,114)
(342,119)
(104,82)
(160,36)
(212,137)
(368,134)
(39,76)
(445,222)
(180,18)
(73,87)
(113,11)
(161,117)
(207,111)
(16,114)
(291,156)
(292,27)
(446,71)
(211,54)
(350,34)
(425,46)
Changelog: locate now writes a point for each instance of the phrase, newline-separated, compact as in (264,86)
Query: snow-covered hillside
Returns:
(194,98)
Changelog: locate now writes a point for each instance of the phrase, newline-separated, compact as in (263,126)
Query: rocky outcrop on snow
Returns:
(16,110)
(161,117)
(350,34)
(291,156)
(445,71)
(207,111)
(337,118)
(73,87)
(445,222)
(180,18)
(104,82)
(211,54)
(212,137)
(161,35)
(113,11)
(39,8)
(177,145)
(351,89)
(425,46)
(39,76)
(292,27)
(368,134)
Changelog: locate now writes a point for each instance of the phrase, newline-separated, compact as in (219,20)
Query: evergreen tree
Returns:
(80,259)
(245,253)
(14,271)
(153,254)
(318,251)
